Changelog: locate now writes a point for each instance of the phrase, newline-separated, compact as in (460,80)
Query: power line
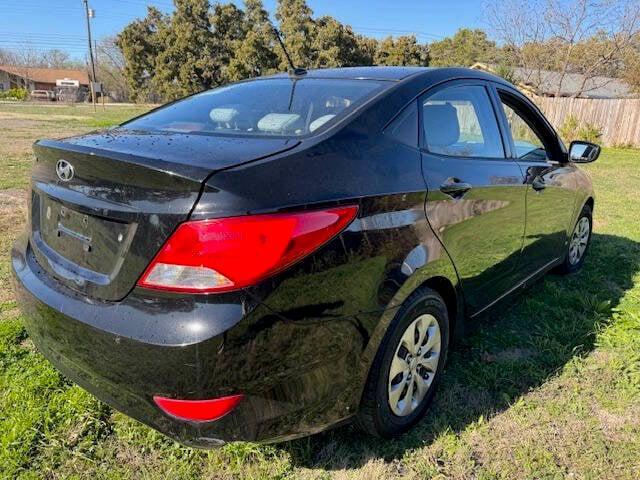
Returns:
(75,50)
(66,40)
(75,43)
(43,43)
(110,13)
(44,35)
(21,10)
(417,33)
(51,41)
(119,15)
(152,4)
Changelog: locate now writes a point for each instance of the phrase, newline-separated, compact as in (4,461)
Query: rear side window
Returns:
(460,122)
(404,128)
(270,107)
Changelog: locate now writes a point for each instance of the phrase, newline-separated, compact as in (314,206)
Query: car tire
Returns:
(384,411)
(579,241)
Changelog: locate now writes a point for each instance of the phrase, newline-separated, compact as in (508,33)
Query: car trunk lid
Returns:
(95,230)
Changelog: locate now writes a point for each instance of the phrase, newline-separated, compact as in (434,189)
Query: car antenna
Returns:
(293,70)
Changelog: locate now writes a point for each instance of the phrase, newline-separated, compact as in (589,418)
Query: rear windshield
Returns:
(271,107)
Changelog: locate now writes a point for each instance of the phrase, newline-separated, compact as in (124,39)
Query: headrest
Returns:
(223,115)
(318,122)
(277,122)
(441,127)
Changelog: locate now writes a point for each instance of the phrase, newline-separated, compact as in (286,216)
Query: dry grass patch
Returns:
(21,118)
(12,216)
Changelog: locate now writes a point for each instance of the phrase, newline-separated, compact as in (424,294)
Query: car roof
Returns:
(370,73)
(396,74)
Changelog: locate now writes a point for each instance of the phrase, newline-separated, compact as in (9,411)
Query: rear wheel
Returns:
(578,242)
(407,367)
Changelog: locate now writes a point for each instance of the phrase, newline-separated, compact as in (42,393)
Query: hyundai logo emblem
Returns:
(64,170)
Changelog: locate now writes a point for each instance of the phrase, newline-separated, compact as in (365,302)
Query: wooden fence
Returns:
(617,119)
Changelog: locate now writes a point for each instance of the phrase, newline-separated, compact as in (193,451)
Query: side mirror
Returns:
(583,152)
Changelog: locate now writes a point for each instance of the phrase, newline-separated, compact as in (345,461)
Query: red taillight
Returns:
(198,410)
(230,253)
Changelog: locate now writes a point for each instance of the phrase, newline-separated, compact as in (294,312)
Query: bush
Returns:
(572,129)
(569,129)
(19,94)
(590,133)
(625,145)
(506,72)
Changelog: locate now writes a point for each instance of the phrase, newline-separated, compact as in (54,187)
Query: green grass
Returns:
(82,115)
(546,386)
(25,123)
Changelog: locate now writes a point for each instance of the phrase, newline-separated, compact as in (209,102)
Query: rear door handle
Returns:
(538,184)
(455,187)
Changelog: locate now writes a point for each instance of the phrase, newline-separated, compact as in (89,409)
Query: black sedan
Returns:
(274,257)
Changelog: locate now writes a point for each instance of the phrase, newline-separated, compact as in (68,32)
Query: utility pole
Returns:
(90,14)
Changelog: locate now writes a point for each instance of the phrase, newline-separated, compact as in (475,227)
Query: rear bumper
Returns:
(191,348)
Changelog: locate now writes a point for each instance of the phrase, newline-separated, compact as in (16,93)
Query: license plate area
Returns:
(91,242)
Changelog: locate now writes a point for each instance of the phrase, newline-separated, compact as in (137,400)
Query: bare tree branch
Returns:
(586,37)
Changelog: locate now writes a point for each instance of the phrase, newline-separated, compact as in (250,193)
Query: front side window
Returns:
(526,141)
(269,107)
(460,122)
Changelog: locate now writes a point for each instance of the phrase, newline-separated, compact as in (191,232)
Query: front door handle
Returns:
(538,184)
(455,187)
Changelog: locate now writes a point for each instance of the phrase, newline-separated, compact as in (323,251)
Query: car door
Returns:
(476,191)
(550,182)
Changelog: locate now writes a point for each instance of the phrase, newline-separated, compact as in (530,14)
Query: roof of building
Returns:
(545,83)
(47,75)
(594,87)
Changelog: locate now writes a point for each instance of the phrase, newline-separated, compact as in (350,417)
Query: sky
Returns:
(46,24)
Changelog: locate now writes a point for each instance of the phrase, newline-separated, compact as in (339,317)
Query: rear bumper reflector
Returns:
(198,410)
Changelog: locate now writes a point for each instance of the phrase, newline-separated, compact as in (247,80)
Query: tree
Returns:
(631,68)
(465,48)
(336,45)
(255,54)
(403,50)
(28,56)
(187,63)
(196,47)
(298,31)
(31,57)
(6,57)
(55,58)
(141,43)
(25,58)
(110,69)
(589,37)
(229,29)
(368,47)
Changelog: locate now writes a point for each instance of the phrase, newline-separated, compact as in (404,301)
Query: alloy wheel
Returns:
(414,365)
(579,240)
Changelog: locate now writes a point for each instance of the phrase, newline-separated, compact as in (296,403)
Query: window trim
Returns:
(506,146)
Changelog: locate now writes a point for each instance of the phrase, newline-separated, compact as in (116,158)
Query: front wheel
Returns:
(578,242)
(407,367)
